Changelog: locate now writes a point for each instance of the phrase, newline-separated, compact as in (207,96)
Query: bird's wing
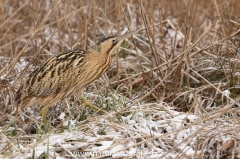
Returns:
(56,75)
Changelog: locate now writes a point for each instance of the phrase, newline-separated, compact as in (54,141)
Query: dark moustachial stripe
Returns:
(104,39)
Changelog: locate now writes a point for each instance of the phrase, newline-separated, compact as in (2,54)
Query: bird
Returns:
(64,74)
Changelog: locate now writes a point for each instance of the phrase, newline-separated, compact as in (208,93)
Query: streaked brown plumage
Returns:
(64,74)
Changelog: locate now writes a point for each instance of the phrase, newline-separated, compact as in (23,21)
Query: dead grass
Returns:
(184,62)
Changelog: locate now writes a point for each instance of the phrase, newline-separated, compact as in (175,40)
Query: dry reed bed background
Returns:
(173,89)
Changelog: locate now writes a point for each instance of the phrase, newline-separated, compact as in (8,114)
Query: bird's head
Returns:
(110,44)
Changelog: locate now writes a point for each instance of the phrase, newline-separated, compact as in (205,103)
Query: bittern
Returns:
(64,74)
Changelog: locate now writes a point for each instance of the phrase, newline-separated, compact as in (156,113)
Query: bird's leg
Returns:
(44,120)
(44,112)
(89,105)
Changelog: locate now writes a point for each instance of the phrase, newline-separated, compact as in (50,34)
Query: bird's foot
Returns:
(89,105)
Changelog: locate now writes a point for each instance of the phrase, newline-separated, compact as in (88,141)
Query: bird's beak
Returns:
(122,37)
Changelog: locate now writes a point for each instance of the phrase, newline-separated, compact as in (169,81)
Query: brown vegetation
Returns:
(185,61)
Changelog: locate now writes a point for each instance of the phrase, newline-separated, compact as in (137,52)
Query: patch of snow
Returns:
(190,151)
(83,144)
(69,122)
(105,145)
(7,100)
(117,148)
(190,97)
(132,151)
(191,117)
(172,33)
(62,116)
(226,93)
(93,139)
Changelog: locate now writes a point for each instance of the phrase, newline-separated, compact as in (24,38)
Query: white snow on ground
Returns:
(162,134)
